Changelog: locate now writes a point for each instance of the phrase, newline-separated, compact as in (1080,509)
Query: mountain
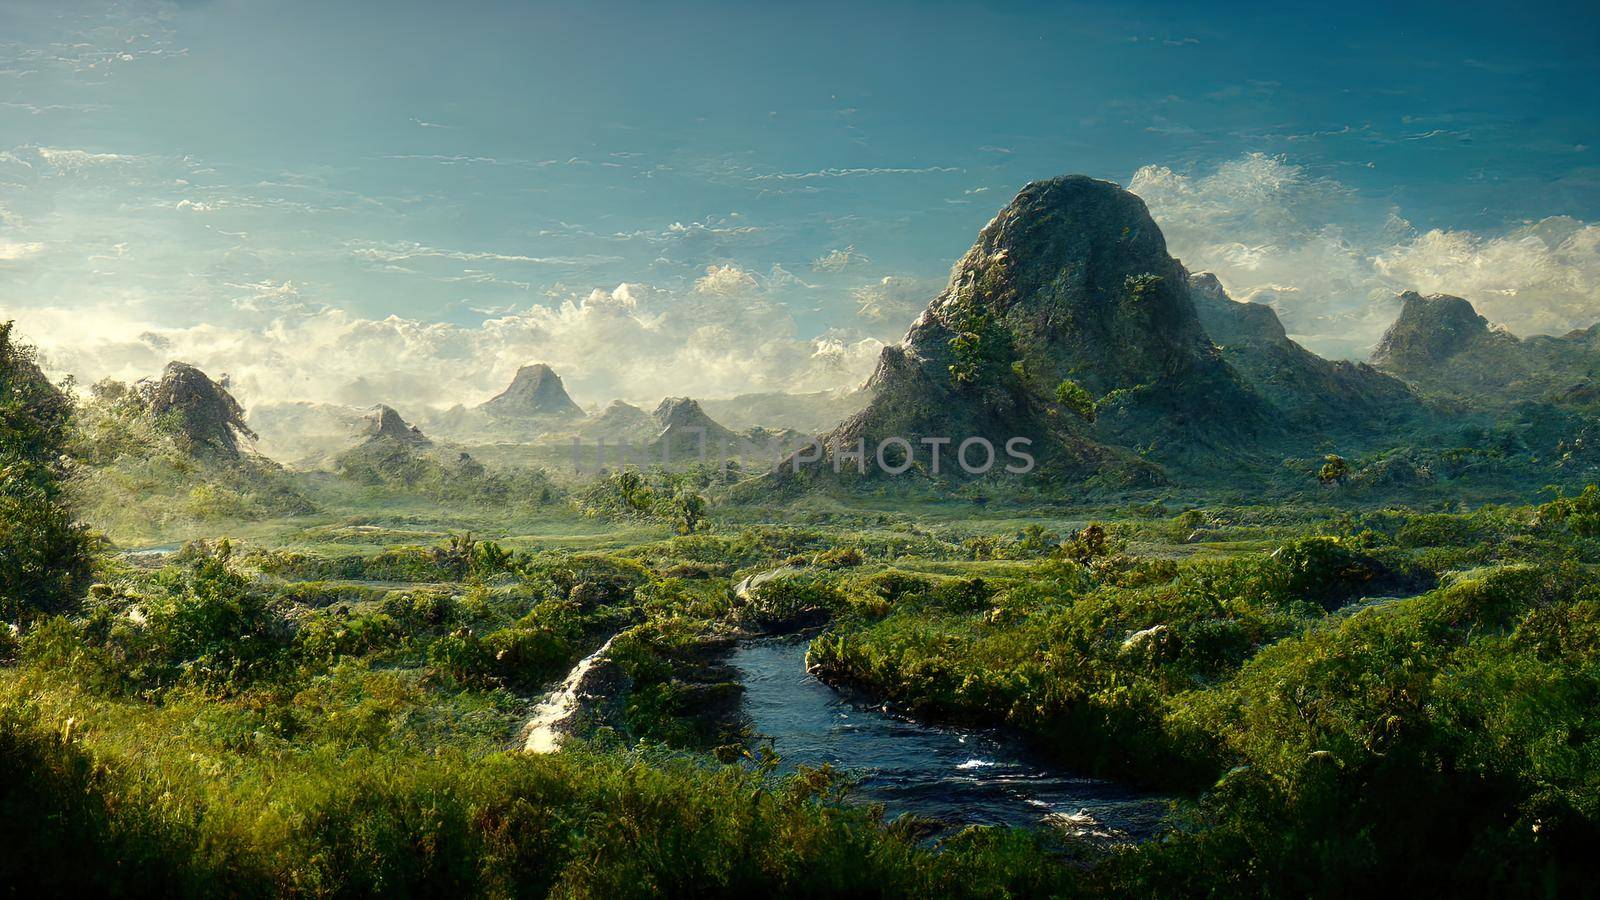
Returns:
(535,392)
(1307,392)
(1440,345)
(201,411)
(1067,324)
(620,423)
(684,429)
(385,426)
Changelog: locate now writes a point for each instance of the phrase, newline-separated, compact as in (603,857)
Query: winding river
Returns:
(955,776)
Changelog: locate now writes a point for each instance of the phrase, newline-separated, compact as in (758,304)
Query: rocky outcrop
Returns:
(535,392)
(204,414)
(1228,321)
(1431,330)
(1441,345)
(385,426)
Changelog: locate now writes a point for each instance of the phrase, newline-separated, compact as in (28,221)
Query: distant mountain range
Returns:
(1067,327)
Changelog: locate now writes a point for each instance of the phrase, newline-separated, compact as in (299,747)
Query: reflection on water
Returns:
(956,776)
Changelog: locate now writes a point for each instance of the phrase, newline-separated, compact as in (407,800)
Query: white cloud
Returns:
(1331,262)
(839,259)
(14,250)
(723,337)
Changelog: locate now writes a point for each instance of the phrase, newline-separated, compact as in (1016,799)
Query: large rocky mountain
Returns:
(1068,323)
(535,392)
(202,411)
(1445,349)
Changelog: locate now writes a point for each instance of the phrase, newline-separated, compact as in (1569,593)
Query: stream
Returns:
(955,776)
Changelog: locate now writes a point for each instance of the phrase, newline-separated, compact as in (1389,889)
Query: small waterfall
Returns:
(542,733)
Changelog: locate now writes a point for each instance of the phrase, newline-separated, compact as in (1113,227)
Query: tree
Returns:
(44,557)
(1334,470)
(689,508)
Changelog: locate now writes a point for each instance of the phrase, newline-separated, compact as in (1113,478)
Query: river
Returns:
(955,776)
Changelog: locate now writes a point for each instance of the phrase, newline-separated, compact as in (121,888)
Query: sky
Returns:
(402,202)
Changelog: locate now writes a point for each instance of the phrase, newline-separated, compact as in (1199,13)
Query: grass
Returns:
(325,707)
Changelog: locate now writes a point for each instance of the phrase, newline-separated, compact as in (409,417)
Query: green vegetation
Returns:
(1384,688)
(1075,399)
(44,557)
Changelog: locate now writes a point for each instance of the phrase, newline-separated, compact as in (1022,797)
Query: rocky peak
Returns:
(1429,330)
(681,411)
(386,425)
(201,409)
(1229,321)
(1075,276)
(535,391)
(675,415)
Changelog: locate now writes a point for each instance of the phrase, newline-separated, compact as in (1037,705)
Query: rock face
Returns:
(1308,393)
(1429,331)
(1071,282)
(535,392)
(202,410)
(1228,321)
(1441,346)
(385,426)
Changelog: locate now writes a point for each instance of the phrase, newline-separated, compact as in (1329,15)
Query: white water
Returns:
(543,734)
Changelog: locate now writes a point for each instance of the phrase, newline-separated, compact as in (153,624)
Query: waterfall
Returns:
(543,734)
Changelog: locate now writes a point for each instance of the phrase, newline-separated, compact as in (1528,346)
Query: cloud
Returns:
(839,259)
(892,302)
(14,250)
(408,251)
(1331,261)
(725,335)
(854,173)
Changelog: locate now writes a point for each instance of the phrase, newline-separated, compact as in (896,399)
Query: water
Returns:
(956,776)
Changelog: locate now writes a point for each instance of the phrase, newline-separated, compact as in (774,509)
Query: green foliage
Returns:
(395,467)
(659,495)
(982,346)
(44,557)
(1076,400)
(1334,470)
(689,510)
(1138,288)
(1580,513)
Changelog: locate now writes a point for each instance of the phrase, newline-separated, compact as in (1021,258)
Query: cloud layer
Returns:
(1331,262)
(723,336)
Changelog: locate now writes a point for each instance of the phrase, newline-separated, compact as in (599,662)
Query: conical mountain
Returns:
(384,425)
(535,392)
(1067,324)
(685,429)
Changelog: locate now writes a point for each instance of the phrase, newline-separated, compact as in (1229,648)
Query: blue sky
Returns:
(404,201)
